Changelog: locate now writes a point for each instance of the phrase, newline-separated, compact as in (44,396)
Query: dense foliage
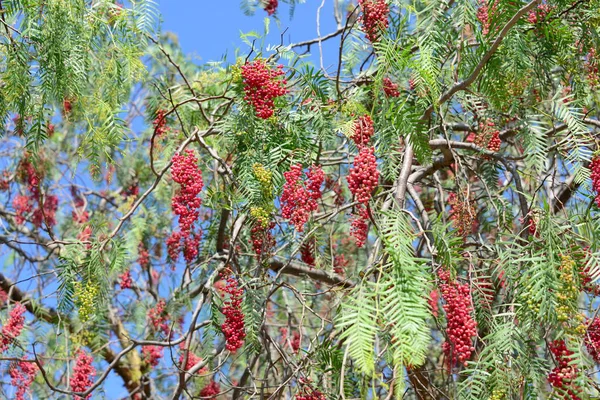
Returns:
(418,220)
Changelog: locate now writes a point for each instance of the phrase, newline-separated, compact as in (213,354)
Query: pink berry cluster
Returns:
(210,391)
(159,317)
(262,85)
(488,137)
(262,238)
(46,206)
(125,280)
(374,18)
(160,123)
(83,374)
(151,355)
(591,66)
(271,6)
(483,15)
(13,327)
(307,252)
(363,177)
(233,327)
(298,200)
(307,392)
(564,373)
(22,374)
(192,359)
(592,339)
(186,205)
(595,176)
(339,264)
(462,214)
(432,300)
(143,256)
(390,88)
(461,327)
(539,14)
(363,130)
(359,227)
(79,214)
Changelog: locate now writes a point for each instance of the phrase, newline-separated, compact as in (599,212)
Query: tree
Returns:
(419,221)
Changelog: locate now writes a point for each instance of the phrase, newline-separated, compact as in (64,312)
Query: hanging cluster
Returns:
(539,14)
(22,374)
(271,6)
(359,227)
(151,355)
(363,177)
(462,214)
(595,176)
(192,359)
(264,178)
(45,205)
(13,327)
(307,252)
(262,238)
(488,137)
(307,392)
(591,66)
(461,327)
(233,327)
(592,339)
(567,295)
(298,200)
(390,88)
(340,263)
(160,123)
(262,85)
(213,389)
(186,205)
(79,214)
(83,374)
(483,15)
(374,18)
(159,317)
(125,280)
(86,299)
(563,375)
(363,130)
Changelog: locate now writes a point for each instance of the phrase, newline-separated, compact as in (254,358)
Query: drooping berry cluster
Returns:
(462,214)
(595,176)
(13,327)
(539,14)
(390,88)
(22,374)
(363,177)
(592,67)
(262,239)
(83,374)
(563,375)
(46,205)
(307,252)
(363,130)
(483,15)
(159,317)
(567,296)
(359,227)
(125,280)
(307,392)
(79,214)
(461,328)
(143,256)
(488,137)
(340,263)
(160,123)
(186,205)
(271,6)
(262,85)
(192,359)
(151,355)
(213,389)
(374,18)
(233,327)
(298,200)
(432,300)
(592,339)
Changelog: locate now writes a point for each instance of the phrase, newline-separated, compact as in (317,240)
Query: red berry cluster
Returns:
(363,130)
(79,214)
(461,327)
(591,66)
(46,205)
(339,264)
(564,373)
(483,15)
(374,18)
(192,359)
(434,298)
(595,175)
(262,85)
(143,256)
(592,339)
(390,88)
(359,228)
(152,355)
(307,252)
(488,137)
(271,6)
(298,200)
(83,374)
(125,280)
(158,317)
(22,374)
(307,392)
(363,177)
(160,123)
(539,14)
(186,205)
(13,327)
(262,238)
(462,214)
(213,389)
(233,327)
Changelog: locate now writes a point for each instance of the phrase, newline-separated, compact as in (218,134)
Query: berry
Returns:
(152,355)
(374,18)
(363,177)
(22,206)
(564,373)
(307,392)
(159,317)
(125,280)
(462,214)
(390,88)
(483,16)
(307,252)
(83,374)
(22,374)
(339,264)
(359,227)
(192,359)
(363,130)
(160,123)
(271,6)
(592,340)
(213,389)
(434,298)
(595,176)
(262,238)
(233,327)
(298,200)
(13,327)
(262,86)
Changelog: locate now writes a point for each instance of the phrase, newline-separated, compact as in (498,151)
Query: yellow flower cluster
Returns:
(86,299)
(498,394)
(261,216)
(568,291)
(264,177)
